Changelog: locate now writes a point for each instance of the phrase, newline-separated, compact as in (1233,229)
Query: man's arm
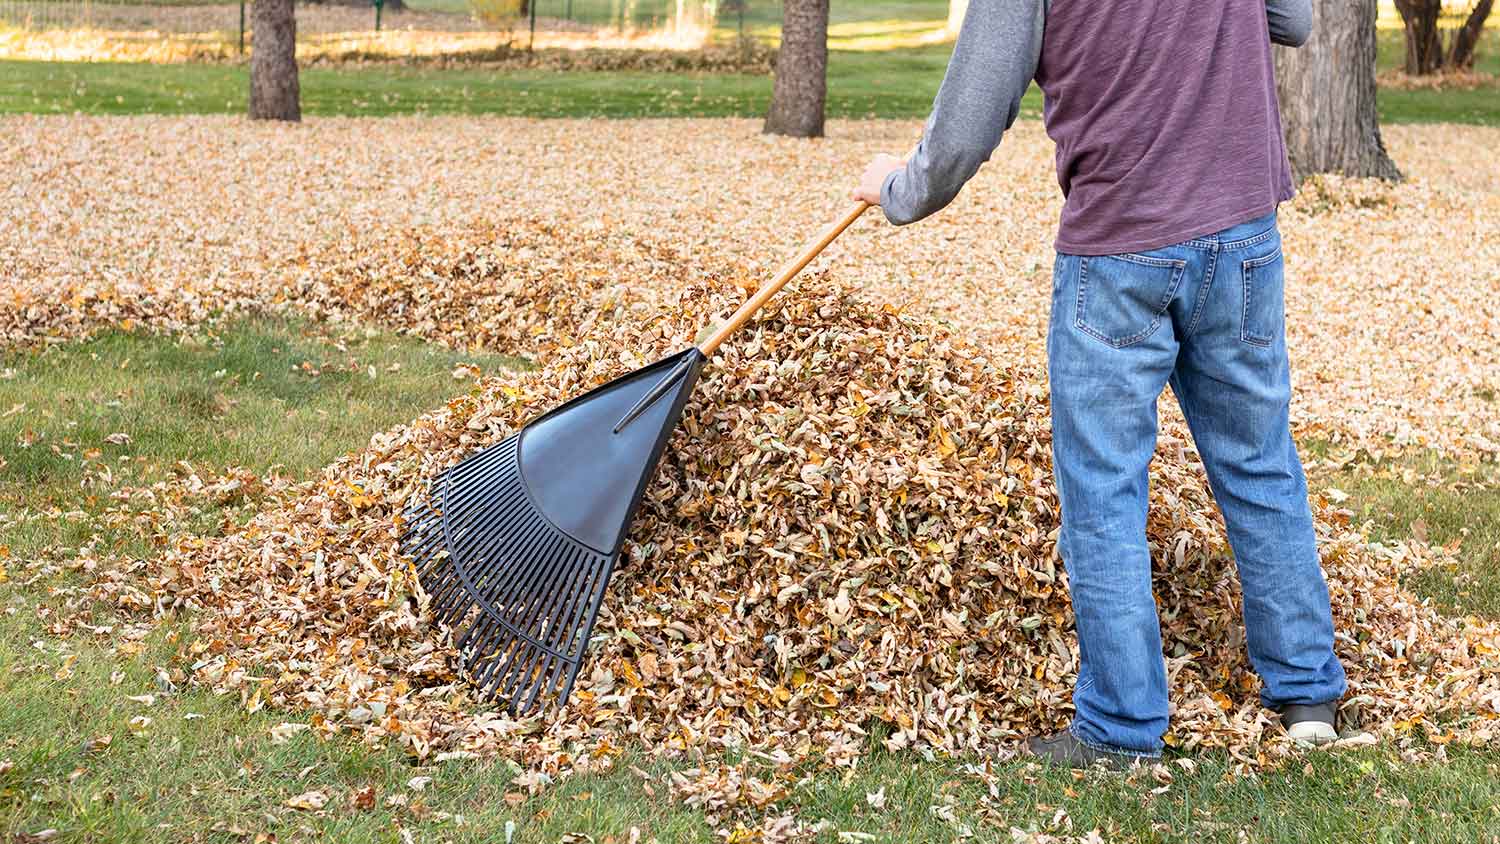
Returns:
(1290,21)
(993,63)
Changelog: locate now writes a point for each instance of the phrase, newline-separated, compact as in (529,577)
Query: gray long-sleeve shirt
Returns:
(1164,113)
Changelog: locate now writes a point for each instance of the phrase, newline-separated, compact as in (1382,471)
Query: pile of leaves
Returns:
(507,288)
(854,526)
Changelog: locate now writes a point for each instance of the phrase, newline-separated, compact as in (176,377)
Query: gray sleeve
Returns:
(993,63)
(1290,21)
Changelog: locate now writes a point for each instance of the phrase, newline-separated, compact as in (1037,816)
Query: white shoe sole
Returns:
(1313,732)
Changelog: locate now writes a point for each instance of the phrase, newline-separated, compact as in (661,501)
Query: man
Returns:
(1168,271)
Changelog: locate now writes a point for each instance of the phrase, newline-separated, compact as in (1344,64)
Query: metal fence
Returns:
(438,15)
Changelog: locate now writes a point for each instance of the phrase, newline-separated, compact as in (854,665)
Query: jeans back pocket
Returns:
(1264,315)
(1122,298)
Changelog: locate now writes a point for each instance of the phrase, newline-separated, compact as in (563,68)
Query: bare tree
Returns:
(1424,44)
(1422,20)
(1466,37)
(801,88)
(274,92)
(1327,92)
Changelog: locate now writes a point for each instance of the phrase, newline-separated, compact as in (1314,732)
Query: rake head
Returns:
(516,543)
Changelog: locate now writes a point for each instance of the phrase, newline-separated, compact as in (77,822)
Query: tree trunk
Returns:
(801,85)
(956,10)
(1466,37)
(1424,42)
(274,94)
(1327,92)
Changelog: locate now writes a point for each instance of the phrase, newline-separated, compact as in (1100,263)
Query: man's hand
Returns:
(874,178)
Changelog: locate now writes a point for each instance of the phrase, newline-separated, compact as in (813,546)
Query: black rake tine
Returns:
(562,634)
(460,553)
(505,552)
(565,577)
(493,554)
(508,590)
(534,546)
(578,592)
(566,617)
(524,623)
(497,626)
(535,550)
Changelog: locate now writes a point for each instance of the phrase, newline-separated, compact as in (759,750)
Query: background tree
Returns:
(1327,92)
(274,92)
(1466,37)
(1422,20)
(801,86)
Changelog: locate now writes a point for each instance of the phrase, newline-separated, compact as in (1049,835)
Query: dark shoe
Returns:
(1312,723)
(1065,749)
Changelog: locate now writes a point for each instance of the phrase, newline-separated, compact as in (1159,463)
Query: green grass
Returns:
(242,395)
(891,83)
(1432,498)
(204,769)
(899,84)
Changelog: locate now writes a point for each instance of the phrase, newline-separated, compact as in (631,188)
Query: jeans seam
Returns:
(1208,283)
(1251,241)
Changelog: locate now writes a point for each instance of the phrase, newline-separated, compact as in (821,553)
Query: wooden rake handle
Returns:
(787,272)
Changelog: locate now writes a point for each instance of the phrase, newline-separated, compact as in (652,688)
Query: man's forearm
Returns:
(992,66)
(1290,21)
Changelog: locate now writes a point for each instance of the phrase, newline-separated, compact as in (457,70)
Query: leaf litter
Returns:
(161,222)
(853,534)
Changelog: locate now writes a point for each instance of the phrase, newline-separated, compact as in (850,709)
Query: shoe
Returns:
(1312,723)
(1065,749)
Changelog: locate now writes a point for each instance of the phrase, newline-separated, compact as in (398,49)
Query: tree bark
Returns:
(1327,92)
(801,86)
(274,92)
(1466,37)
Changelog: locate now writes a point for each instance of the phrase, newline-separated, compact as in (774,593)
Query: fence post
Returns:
(242,27)
(531,46)
(379,4)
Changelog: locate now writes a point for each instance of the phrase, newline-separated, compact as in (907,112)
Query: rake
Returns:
(517,542)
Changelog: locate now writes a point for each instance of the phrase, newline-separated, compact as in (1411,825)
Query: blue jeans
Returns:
(1206,317)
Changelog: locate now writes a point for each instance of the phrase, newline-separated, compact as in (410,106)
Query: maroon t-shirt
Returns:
(1165,118)
(1164,113)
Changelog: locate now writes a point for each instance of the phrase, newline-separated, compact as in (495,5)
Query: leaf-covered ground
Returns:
(831,509)
(1391,307)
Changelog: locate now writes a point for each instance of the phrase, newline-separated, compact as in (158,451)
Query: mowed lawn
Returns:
(103,739)
(877,68)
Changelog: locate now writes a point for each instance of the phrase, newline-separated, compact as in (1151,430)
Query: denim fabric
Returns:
(1206,317)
